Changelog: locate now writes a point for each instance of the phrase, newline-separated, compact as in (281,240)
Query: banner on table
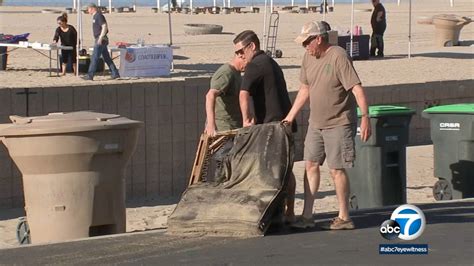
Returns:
(151,61)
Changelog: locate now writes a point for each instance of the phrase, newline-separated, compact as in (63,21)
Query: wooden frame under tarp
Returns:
(206,148)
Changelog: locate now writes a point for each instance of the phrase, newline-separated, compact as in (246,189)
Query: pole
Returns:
(307,4)
(81,33)
(265,27)
(191,5)
(98,2)
(110,6)
(271,6)
(352,28)
(409,30)
(169,22)
(79,41)
(292,2)
(324,9)
(74,5)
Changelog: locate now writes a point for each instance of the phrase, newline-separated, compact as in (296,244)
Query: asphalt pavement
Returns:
(449,235)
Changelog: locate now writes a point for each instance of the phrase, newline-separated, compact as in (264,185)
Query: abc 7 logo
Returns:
(407,222)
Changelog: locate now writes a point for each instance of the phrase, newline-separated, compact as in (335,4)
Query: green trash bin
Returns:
(378,177)
(452,133)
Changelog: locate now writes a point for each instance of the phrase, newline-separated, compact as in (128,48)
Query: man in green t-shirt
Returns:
(222,100)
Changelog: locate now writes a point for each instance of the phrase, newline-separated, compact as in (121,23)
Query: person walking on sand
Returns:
(379,24)
(68,36)
(330,83)
(100,31)
(263,96)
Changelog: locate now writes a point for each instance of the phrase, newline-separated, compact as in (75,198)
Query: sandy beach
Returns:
(197,55)
(202,54)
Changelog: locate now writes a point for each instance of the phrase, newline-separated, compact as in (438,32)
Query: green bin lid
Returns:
(387,110)
(461,108)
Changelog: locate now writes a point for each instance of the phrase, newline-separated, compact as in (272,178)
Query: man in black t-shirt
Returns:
(263,96)
(379,24)
(263,81)
(100,30)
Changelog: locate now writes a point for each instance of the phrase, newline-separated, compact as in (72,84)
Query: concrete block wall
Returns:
(174,116)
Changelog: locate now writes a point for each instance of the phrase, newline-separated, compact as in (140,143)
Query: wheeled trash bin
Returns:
(378,177)
(73,168)
(452,133)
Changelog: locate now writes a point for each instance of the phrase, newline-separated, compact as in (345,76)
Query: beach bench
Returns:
(236,9)
(303,10)
(211,9)
(197,10)
(315,9)
(176,9)
(122,9)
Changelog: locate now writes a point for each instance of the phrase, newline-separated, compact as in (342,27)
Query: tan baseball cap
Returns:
(312,28)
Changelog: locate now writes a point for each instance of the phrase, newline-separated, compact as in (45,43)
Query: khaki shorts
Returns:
(335,144)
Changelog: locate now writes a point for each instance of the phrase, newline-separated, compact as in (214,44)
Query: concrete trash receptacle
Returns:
(447,29)
(73,168)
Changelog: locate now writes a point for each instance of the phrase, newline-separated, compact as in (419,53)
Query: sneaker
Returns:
(338,224)
(303,223)
(87,77)
(115,77)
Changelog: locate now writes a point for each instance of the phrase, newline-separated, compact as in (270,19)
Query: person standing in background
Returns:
(100,30)
(379,24)
(68,36)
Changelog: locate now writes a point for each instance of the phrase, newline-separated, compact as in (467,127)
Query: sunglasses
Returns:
(309,40)
(241,50)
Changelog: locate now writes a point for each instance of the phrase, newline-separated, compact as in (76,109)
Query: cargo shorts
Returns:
(334,144)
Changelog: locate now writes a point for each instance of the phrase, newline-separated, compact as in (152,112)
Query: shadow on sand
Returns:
(468,56)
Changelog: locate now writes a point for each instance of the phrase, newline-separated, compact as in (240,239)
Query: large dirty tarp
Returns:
(247,194)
